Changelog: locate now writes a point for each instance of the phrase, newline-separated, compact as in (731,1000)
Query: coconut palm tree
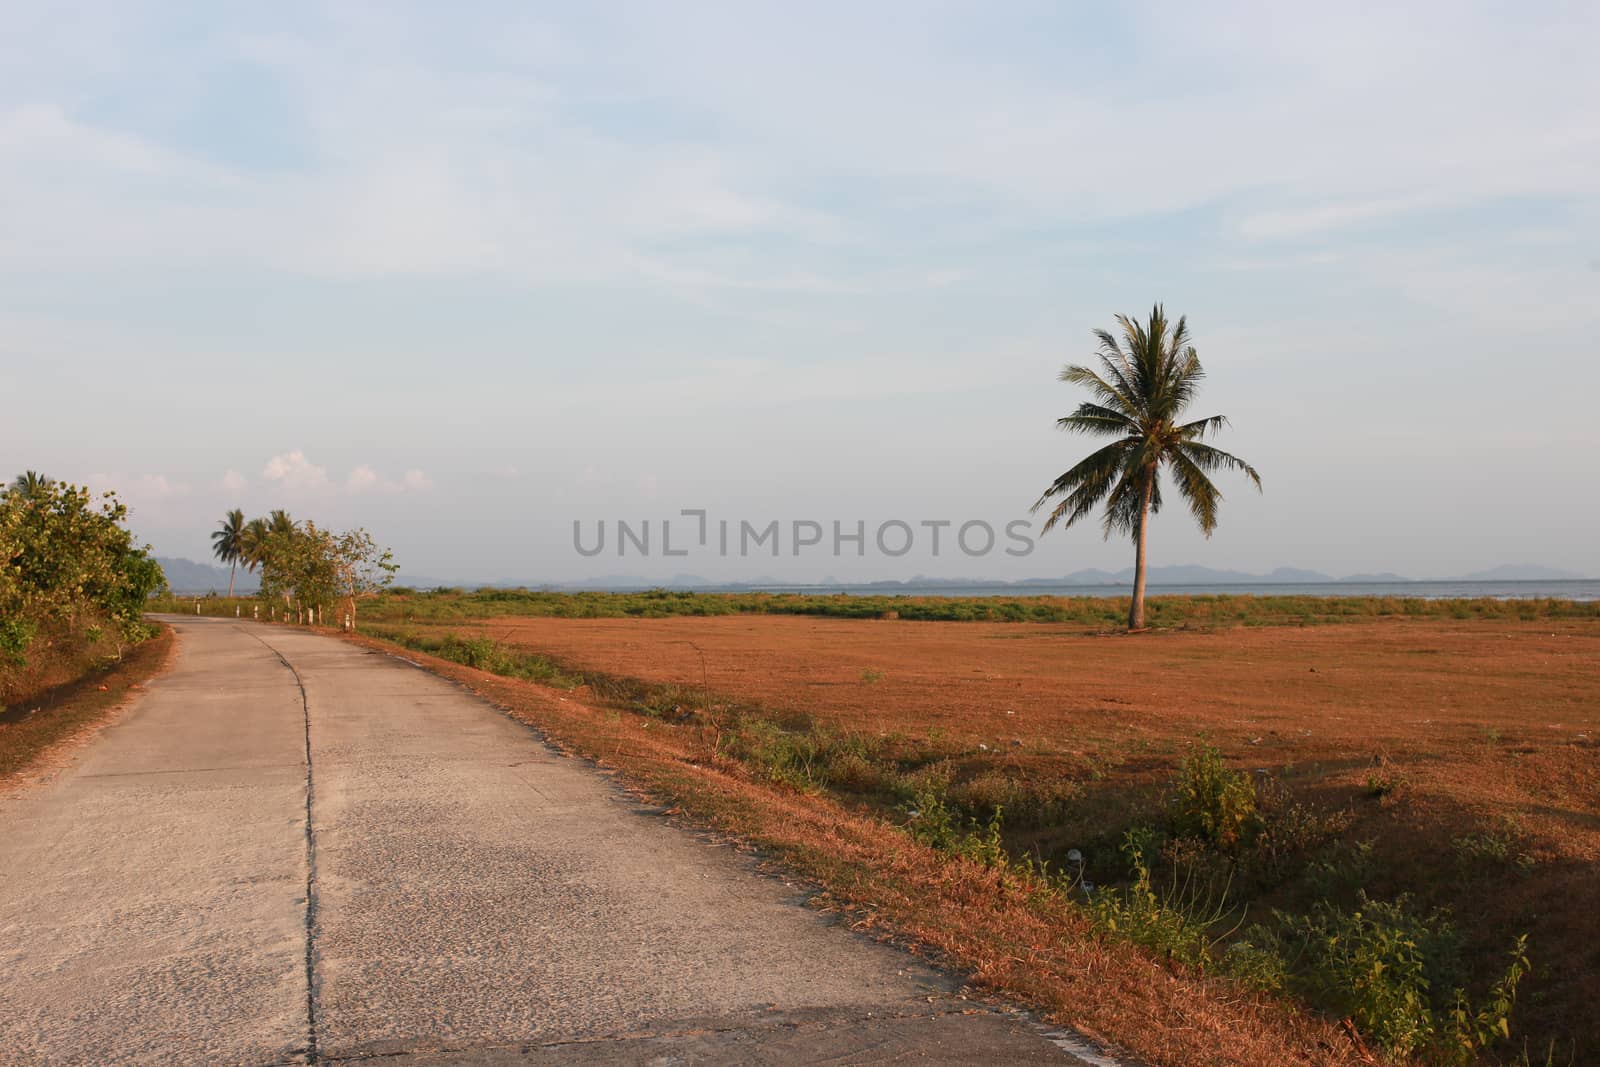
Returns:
(1144,384)
(253,544)
(228,542)
(30,484)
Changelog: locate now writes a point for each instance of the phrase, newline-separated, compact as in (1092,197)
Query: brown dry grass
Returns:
(1481,727)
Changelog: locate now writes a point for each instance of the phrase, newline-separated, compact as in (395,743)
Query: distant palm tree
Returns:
(30,484)
(253,544)
(228,542)
(1144,385)
(279,522)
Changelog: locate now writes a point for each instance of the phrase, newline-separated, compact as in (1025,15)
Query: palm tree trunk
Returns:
(232,566)
(1136,609)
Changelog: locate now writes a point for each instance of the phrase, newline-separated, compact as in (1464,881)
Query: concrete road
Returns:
(292,850)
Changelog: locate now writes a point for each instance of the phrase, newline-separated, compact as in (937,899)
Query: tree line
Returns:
(303,566)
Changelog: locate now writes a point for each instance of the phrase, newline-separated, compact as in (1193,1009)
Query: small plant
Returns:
(1490,845)
(984,845)
(1212,803)
(931,820)
(936,824)
(1177,922)
(1373,964)
(1339,868)
(1473,1029)
(793,758)
(1380,786)
(871,676)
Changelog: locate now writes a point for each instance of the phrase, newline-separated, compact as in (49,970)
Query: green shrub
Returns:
(15,637)
(1398,976)
(1212,803)
(934,823)
(931,821)
(793,758)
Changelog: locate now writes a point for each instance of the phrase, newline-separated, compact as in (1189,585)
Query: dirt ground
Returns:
(1411,691)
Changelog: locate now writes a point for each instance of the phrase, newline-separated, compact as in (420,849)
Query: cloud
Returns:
(294,471)
(364,479)
(233,481)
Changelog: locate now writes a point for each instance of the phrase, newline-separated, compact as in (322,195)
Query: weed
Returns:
(1177,923)
(1380,786)
(1396,974)
(1490,845)
(871,676)
(792,758)
(1339,868)
(1210,802)
(934,823)
(1030,800)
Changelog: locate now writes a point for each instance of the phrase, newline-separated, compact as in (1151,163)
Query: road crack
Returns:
(311,1051)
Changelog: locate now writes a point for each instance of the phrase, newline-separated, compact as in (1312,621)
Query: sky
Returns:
(468,275)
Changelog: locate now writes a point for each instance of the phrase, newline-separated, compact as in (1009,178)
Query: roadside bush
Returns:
(68,565)
(1397,975)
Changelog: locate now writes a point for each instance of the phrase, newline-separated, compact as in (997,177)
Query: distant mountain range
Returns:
(187,576)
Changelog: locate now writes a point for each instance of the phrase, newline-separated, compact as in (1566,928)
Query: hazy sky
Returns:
(466,273)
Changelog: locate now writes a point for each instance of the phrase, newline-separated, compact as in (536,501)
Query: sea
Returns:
(1575,589)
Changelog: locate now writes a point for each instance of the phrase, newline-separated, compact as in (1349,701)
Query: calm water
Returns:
(1587,589)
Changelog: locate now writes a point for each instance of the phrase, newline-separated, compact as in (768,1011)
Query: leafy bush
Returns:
(1397,974)
(1210,802)
(792,758)
(67,564)
(934,823)
(15,636)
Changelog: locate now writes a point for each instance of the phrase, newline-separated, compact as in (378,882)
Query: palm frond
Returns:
(1097,419)
(1194,431)
(1112,394)
(1199,491)
(1086,484)
(1211,459)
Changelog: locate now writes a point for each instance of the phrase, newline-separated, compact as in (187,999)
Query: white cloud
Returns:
(156,486)
(233,481)
(294,471)
(362,479)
